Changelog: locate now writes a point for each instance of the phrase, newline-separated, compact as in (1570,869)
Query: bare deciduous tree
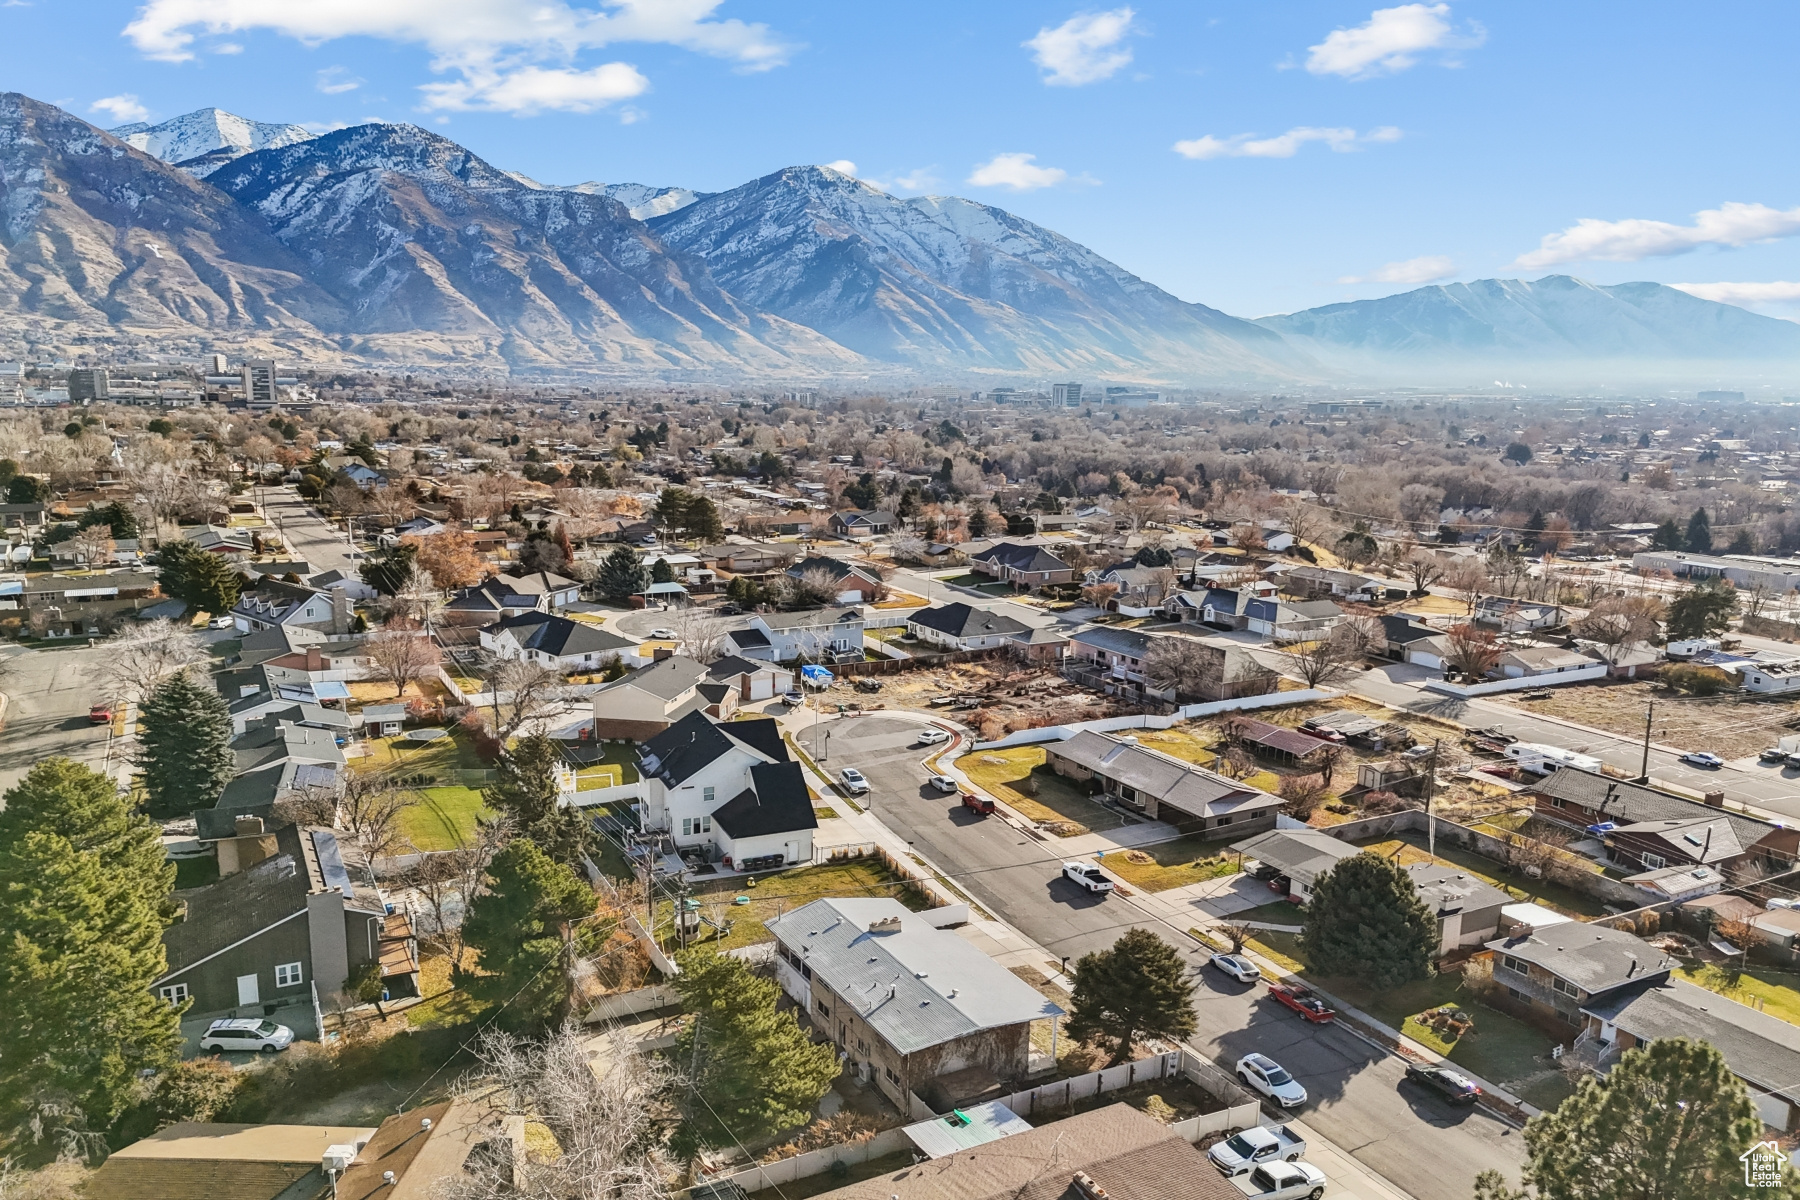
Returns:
(1617,625)
(1180,665)
(1468,578)
(366,805)
(1471,651)
(403,652)
(93,546)
(1327,659)
(142,656)
(1423,567)
(700,634)
(528,688)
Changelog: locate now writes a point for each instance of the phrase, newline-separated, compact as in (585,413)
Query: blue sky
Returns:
(1258,158)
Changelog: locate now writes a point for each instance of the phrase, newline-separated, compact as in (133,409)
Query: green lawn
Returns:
(447,760)
(617,767)
(1275,912)
(1173,864)
(785,891)
(1778,991)
(443,819)
(1013,775)
(1411,848)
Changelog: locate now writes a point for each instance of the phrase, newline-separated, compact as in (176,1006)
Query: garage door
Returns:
(762,686)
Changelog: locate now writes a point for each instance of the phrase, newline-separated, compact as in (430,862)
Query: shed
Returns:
(384,720)
(966,1128)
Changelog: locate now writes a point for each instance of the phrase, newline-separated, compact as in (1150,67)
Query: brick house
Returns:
(1025,566)
(1655,827)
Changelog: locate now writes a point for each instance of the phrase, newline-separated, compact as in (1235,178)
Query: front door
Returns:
(248,992)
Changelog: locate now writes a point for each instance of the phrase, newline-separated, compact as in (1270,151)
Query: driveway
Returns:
(1358,1101)
(49,692)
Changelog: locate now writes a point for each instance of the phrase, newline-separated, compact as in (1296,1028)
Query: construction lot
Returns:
(994,697)
(1731,726)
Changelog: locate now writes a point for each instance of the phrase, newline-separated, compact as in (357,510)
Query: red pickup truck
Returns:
(1303,1001)
(981,806)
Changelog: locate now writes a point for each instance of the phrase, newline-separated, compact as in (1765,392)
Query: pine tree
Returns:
(522,926)
(525,787)
(84,890)
(1667,536)
(1699,532)
(703,523)
(1705,608)
(1138,988)
(621,575)
(189,573)
(749,1060)
(1742,542)
(661,571)
(1365,921)
(185,746)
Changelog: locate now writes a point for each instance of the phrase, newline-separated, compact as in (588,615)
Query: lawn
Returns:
(1061,804)
(445,760)
(772,895)
(443,819)
(1173,864)
(1276,912)
(1411,849)
(1776,992)
(617,766)
(1192,743)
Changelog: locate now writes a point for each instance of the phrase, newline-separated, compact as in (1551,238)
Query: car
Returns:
(1774,754)
(100,714)
(246,1033)
(1261,870)
(933,735)
(793,699)
(1281,1181)
(224,622)
(981,806)
(1260,1073)
(1414,753)
(662,633)
(729,610)
(1243,1152)
(1088,876)
(1302,1000)
(1237,966)
(1793,760)
(1453,1086)
(944,783)
(852,781)
(1701,758)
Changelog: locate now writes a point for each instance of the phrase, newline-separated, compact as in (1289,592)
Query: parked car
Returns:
(1453,1086)
(246,1033)
(1497,734)
(1414,753)
(1088,876)
(981,806)
(1237,966)
(853,781)
(1701,758)
(666,634)
(100,714)
(1244,1152)
(944,783)
(1793,760)
(224,622)
(1260,1073)
(933,735)
(1261,870)
(1602,828)
(1302,1000)
(1281,1181)
(1773,754)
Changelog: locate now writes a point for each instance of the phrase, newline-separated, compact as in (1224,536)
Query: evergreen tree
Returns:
(1534,526)
(521,926)
(1138,988)
(1365,921)
(117,516)
(862,493)
(755,1066)
(703,523)
(1699,532)
(84,889)
(388,573)
(978,521)
(189,573)
(661,571)
(1742,543)
(525,787)
(621,575)
(185,746)
(1668,536)
(27,489)
(1706,608)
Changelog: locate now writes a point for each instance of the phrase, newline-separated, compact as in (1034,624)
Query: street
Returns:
(1357,1100)
(306,534)
(49,693)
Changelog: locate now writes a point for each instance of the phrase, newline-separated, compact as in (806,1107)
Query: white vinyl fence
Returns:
(1058,733)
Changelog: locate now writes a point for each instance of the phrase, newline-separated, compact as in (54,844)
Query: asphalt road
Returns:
(48,693)
(1358,1102)
(307,534)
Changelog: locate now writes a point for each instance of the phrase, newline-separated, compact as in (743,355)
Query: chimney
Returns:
(314,660)
(249,826)
(1714,799)
(1084,1183)
(885,925)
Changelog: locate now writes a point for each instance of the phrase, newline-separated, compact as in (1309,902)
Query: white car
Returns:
(933,736)
(246,1033)
(1237,966)
(1261,1073)
(1245,1151)
(1088,876)
(662,633)
(944,783)
(853,781)
(224,622)
(1281,1181)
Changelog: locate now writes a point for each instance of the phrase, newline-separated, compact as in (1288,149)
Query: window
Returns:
(287,974)
(706,795)
(1566,988)
(1515,964)
(1224,819)
(174,993)
(823,1008)
(1655,862)
(687,827)
(706,824)
(1556,802)
(891,1077)
(1521,997)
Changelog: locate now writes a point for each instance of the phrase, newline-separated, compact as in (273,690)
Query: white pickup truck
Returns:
(1254,1146)
(1281,1181)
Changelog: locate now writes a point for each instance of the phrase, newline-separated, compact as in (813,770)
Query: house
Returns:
(1578,799)
(860,523)
(757,558)
(287,712)
(295,684)
(1121,1152)
(1407,639)
(1770,678)
(750,680)
(1552,664)
(203,1161)
(1327,581)
(510,595)
(63,605)
(1116,653)
(1761,1050)
(271,602)
(1507,615)
(1298,855)
(1291,620)
(904,1001)
(1467,909)
(1555,972)
(557,642)
(1142,590)
(813,635)
(1164,788)
(423,1154)
(342,581)
(962,626)
(304,918)
(1030,567)
(226,541)
(728,789)
(846,584)
(638,706)
(1677,883)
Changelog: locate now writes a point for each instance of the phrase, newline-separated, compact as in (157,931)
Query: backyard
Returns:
(1773,991)
(1165,865)
(443,818)
(616,766)
(742,904)
(1410,848)
(1019,777)
(444,760)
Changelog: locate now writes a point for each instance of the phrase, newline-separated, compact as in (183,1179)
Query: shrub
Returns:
(1303,794)
(1696,680)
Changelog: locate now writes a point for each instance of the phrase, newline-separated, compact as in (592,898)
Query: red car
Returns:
(1303,1001)
(981,806)
(100,714)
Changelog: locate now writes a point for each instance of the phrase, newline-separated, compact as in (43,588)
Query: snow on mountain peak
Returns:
(641,200)
(211,135)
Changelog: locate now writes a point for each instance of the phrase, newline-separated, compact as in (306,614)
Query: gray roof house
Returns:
(1559,969)
(1301,855)
(1164,788)
(556,642)
(272,602)
(908,1003)
(1467,908)
(962,626)
(642,704)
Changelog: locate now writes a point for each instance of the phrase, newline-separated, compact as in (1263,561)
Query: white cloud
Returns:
(1016,171)
(509,55)
(228,48)
(843,165)
(921,180)
(1427,268)
(1730,224)
(1286,145)
(1744,295)
(1390,41)
(123,108)
(335,81)
(529,90)
(1083,49)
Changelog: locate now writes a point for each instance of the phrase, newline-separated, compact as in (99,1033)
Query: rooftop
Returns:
(1595,958)
(1762,1049)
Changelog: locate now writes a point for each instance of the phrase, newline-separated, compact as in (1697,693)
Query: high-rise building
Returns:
(219,366)
(258,375)
(89,383)
(1066,395)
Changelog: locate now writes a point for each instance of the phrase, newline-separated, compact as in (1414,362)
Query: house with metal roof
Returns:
(906,1002)
(1164,788)
(1555,972)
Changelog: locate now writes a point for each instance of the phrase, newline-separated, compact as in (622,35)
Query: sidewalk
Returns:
(1350,1180)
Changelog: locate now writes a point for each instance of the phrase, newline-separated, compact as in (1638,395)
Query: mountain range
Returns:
(386,242)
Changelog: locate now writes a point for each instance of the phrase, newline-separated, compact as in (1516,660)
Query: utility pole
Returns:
(1430,795)
(1644,769)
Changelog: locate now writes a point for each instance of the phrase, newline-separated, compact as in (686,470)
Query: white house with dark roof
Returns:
(510,595)
(962,626)
(814,635)
(557,642)
(271,602)
(729,788)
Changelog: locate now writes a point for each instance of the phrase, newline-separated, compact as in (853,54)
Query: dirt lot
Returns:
(1726,725)
(1010,695)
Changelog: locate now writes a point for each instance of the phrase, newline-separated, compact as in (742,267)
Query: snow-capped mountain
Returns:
(201,142)
(1558,319)
(944,282)
(640,199)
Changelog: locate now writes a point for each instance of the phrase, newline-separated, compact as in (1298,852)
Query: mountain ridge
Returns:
(202,141)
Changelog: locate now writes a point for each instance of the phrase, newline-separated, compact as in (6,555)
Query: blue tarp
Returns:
(817,676)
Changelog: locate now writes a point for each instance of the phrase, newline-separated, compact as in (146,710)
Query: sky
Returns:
(1258,158)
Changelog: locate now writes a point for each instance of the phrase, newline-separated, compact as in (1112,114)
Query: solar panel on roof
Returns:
(331,862)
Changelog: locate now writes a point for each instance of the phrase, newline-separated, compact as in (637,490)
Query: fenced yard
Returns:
(1019,777)
(783,891)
